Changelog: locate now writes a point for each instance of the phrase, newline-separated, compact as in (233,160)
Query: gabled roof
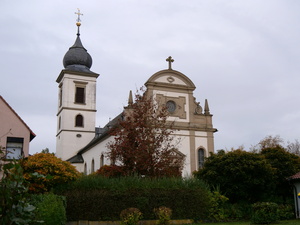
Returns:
(169,78)
(32,135)
(295,176)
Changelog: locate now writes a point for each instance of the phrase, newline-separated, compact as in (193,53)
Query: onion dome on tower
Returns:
(77,58)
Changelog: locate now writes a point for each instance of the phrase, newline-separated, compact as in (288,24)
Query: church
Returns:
(80,142)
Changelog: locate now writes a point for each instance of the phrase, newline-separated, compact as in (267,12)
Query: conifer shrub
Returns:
(50,209)
(264,213)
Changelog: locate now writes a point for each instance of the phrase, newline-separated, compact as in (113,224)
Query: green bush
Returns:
(99,198)
(285,212)
(15,207)
(50,209)
(238,211)
(217,210)
(264,213)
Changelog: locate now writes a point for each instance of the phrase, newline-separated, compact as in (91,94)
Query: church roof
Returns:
(77,58)
(170,78)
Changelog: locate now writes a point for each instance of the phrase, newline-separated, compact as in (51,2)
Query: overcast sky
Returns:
(242,55)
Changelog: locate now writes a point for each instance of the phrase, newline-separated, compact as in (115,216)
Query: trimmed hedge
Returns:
(188,199)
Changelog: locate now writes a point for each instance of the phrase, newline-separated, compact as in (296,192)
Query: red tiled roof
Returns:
(295,177)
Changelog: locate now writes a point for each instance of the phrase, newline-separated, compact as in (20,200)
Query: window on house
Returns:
(14,148)
(200,158)
(80,95)
(79,121)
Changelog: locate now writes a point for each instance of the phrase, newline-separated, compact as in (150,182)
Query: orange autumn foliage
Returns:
(44,170)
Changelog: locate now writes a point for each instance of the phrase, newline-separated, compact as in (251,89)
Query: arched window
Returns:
(79,121)
(85,169)
(101,160)
(93,166)
(200,158)
(59,123)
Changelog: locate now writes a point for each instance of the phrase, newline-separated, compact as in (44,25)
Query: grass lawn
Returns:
(285,222)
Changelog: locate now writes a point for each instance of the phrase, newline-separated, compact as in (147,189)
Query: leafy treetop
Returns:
(143,141)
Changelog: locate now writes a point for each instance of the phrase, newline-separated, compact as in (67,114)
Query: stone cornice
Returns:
(75,109)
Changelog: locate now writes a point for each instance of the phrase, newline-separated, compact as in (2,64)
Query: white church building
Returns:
(79,141)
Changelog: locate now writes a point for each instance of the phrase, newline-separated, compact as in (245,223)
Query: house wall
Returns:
(297,198)
(12,126)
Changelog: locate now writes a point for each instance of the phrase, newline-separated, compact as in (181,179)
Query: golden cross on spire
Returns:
(170,60)
(78,18)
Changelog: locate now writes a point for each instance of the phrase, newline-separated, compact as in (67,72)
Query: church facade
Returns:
(84,145)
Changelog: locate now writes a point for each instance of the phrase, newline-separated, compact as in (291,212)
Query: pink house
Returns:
(15,135)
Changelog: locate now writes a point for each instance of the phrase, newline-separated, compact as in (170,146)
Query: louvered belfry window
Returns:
(80,95)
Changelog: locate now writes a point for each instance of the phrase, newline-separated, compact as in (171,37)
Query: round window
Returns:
(171,106)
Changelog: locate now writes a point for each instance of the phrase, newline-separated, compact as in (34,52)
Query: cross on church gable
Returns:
(170,60)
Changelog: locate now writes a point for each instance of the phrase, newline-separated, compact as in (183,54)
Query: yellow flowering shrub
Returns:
(44,170)
(130,216)
(163,215)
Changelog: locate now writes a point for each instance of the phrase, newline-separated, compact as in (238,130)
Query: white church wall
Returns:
(182,143)
(79,167)
(68,120)
(95,153)
(71,143)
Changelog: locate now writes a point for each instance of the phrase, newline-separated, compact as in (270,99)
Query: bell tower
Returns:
(76,100)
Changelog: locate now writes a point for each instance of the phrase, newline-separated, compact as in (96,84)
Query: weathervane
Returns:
(170,60)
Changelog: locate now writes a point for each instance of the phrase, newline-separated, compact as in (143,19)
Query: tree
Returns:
(46,150)
(294,147)
(270,142)
(240,175)
(44,170)
(285,164)
(143,142)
